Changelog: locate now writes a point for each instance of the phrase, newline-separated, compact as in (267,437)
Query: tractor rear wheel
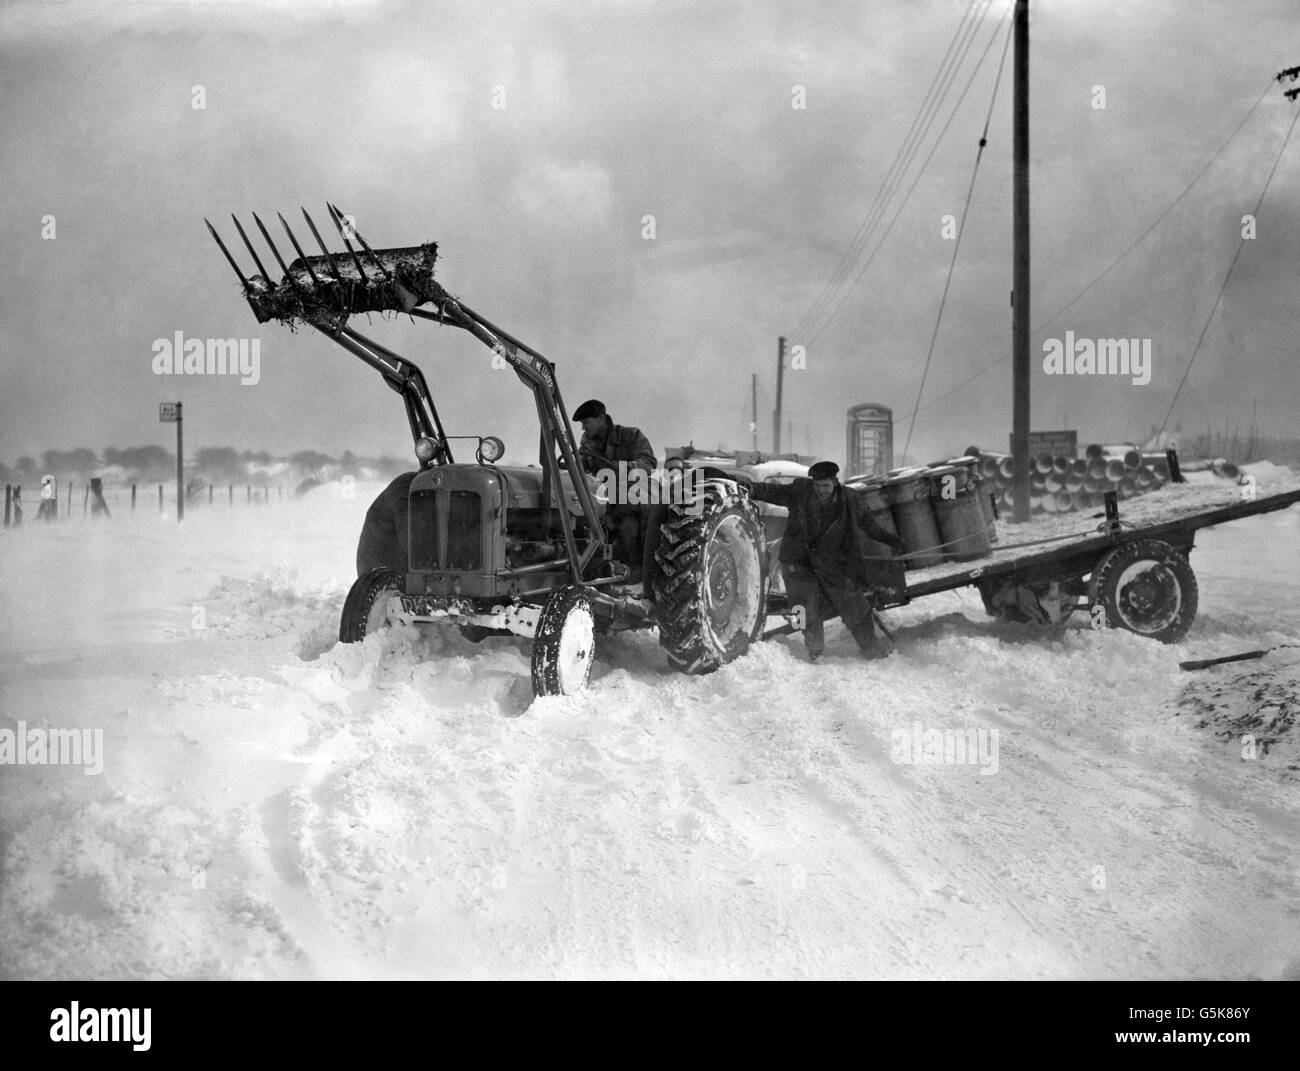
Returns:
(708,585)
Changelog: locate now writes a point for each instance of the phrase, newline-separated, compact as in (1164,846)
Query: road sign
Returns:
(1056,443)
(170,413)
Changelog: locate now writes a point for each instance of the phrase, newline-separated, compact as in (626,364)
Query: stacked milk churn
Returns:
(1060,484)
(940,511)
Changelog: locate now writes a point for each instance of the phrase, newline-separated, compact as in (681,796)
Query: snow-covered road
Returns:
(273,804)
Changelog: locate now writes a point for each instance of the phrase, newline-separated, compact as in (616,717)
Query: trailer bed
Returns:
(1174,514)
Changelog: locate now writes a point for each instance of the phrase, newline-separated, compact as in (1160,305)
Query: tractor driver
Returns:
(604,444)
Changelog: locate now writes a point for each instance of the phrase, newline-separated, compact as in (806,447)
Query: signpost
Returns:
(1055,443)
(170,413)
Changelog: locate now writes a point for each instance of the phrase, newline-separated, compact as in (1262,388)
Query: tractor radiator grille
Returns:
(464,538)
(424,530)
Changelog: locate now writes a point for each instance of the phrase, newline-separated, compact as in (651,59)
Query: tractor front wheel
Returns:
(366,608)
(564,645)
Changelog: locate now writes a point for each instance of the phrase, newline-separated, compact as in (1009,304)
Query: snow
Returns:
(765,470)
(276,805)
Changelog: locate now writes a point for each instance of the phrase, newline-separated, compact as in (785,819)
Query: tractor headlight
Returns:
(490,449)
(425,449)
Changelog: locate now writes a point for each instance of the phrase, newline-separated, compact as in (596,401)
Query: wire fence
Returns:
(74,500)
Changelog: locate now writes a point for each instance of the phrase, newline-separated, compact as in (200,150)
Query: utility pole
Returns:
(753,424)
(1020,273)
(180,468)
(170,413)
(780,375)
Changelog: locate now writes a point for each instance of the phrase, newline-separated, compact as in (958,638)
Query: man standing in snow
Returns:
(49,510)
(820,559)
(604,444)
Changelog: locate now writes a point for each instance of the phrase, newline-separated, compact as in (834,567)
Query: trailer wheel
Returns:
(1146,587)
(564,645)
(708,583)
(366,608)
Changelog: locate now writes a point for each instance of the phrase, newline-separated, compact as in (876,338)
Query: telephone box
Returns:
(870,440)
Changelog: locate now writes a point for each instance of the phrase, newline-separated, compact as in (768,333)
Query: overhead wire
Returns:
(1038,329)
(1241,244)
(907,196)
(961,230)
(868,220)
(936,94)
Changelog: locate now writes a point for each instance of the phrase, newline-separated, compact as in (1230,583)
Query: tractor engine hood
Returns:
(513,486)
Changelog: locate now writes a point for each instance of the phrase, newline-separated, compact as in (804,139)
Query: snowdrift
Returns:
(276,805)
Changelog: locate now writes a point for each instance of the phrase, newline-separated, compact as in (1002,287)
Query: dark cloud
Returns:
(615,112)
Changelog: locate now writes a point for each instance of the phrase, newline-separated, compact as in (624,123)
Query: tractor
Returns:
(521,550)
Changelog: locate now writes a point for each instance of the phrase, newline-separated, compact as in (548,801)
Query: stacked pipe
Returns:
(1059,484)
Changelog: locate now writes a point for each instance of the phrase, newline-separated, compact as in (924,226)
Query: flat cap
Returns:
(589,408)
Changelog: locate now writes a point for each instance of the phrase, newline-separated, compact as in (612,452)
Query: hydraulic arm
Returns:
(325,291)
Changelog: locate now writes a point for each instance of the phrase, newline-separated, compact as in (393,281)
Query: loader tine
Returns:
(251,251)
(278,259)
(378,263)
(323,248)
(338,226)
(298,249)
(231,260)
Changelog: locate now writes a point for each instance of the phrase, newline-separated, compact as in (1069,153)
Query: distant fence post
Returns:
(230,494)
(209,494)
(133,498)
(248,492)
(160,500)
(85,501)
(8,499)
(69,500)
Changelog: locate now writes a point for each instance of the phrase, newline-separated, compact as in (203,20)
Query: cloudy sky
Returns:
(614,111)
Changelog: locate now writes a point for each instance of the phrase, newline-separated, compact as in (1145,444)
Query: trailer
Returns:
(1128,568)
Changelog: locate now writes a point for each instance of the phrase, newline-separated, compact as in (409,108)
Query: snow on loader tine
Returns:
(298,249)
(323,247)
(251,251)
(275,252)
(365,245)
(338,226)
(250,292)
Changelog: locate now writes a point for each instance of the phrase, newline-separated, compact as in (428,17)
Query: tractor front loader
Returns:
(513,549)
